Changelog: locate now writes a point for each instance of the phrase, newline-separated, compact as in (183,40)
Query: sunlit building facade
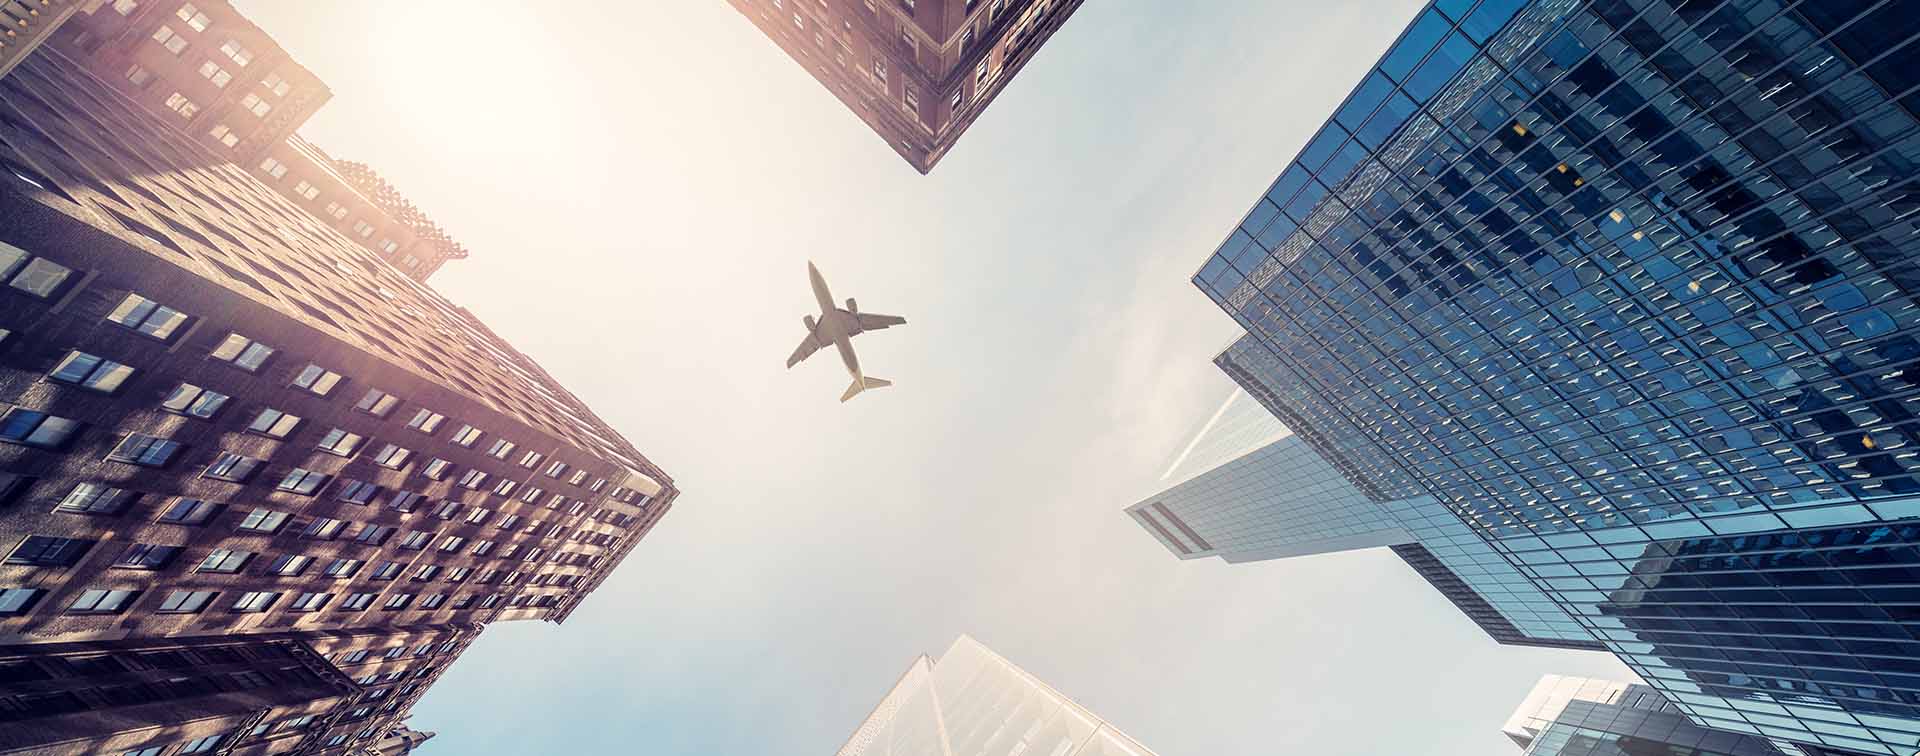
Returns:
(205,69)
(220,418)
(918,72)
(1628,287)
(973,701)
(1578,716)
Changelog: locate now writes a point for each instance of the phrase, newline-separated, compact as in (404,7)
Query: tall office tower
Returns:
(973,701)
(919,72)
(208,71)
(1626,286)
(221,417)
(1578,716)
(1248,489)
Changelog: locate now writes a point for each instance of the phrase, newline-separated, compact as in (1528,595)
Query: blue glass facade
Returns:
(1628,286)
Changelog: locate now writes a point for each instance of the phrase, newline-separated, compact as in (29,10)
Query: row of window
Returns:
(19,600)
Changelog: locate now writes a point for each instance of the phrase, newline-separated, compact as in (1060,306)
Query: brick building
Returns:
(919,72)
(224,421)
(207,70)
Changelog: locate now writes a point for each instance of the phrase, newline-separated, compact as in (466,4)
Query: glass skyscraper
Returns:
(974,702)
(1628,287)
(1578,716)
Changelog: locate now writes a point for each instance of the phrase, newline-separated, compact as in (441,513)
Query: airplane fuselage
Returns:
(835,325)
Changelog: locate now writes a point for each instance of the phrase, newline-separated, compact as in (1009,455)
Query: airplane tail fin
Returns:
(862,384)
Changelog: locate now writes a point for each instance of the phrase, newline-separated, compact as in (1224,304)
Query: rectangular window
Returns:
(500,449)
(356,602)
(232,467)
(355,491)
(169,39)
(472,479)
(148,317)
(362,229)
(466,435)
(426,420)
(452,544)
(289,565)
(252,602)
(194,401)
(90,371)
(406,501)
(416,540)
(478,516)
(482,548)
(194,18)
(309,602)
(144,450)
(307,190)
(398,601)
(225,561)
(273,423)
(377,403)
(531,460)
(387,570)
(344,568)
(302,481)
(433,601)
(16,601)
(25,426)
(212,72)
(316,380)
(146,556)
(263,521)
(391,456)
(33,275)
(256,105)
(426,572)
(323,528)
(94,498)
(340,441)
(336,210)
(274,168)
(373,535)
(241,56)
(531,494)
(277,85)
(504,487)
(447,510)
(102,601)
(49,551)
(179,103)
(139,76)
(224,134)
(242,352)
(184,511)
(436,468)
(187,602)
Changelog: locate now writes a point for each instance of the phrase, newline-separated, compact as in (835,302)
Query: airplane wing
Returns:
(807,347)
(872,322)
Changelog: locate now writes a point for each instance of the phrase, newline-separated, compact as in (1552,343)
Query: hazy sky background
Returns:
(641,184)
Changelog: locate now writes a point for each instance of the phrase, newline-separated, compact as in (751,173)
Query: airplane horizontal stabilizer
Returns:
(862,384)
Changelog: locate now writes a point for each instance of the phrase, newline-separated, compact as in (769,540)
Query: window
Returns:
(356,602)
(598,483)
(203,745)
(34,275)
(531,494)
(426,420)
(125,7)
(426,572)
(147,316)
(355,491)
(302,481)
(336,210)
(387,570)
(416,540)
(232,467)
(377,403)
(184,511)
(447,509)
(25,426)
(507,523)
(504,487)
(959,99)
(472,479)
(910,99)
(491,601)
(274,168)
(392,456)
(187,602)
(144,450)
(398,601)
(273,423)
(578,475)
(880,70)
(307,602)
(48,551)
(307,190)
(224,134)
(263,520)
(139,76)
(278,86)
(340,441)
(193,17)
(289,565)
(255,105)
(242,352)
(406,501)
(212,71)
(458,574)
(316,380)
(323,528)
(554,470)
(179,103)
(482,548)
(344,568)
(463,601)
(478,516)
(437,468)
(388,246)
(169,39)
(94,498)
(194,401)
(500,449)
(433,601)
(466,435)
(253,602)
(507,552)
(362,229)
(452,544)
(372,534)
(146,556)
(102,601)
(225,561)
(241,56)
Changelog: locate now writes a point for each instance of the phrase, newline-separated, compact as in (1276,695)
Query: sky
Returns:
(641,185)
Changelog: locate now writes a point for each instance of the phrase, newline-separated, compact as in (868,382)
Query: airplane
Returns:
(838,327)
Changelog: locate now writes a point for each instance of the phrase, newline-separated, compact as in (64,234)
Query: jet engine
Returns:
(852,307)
(808,320)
